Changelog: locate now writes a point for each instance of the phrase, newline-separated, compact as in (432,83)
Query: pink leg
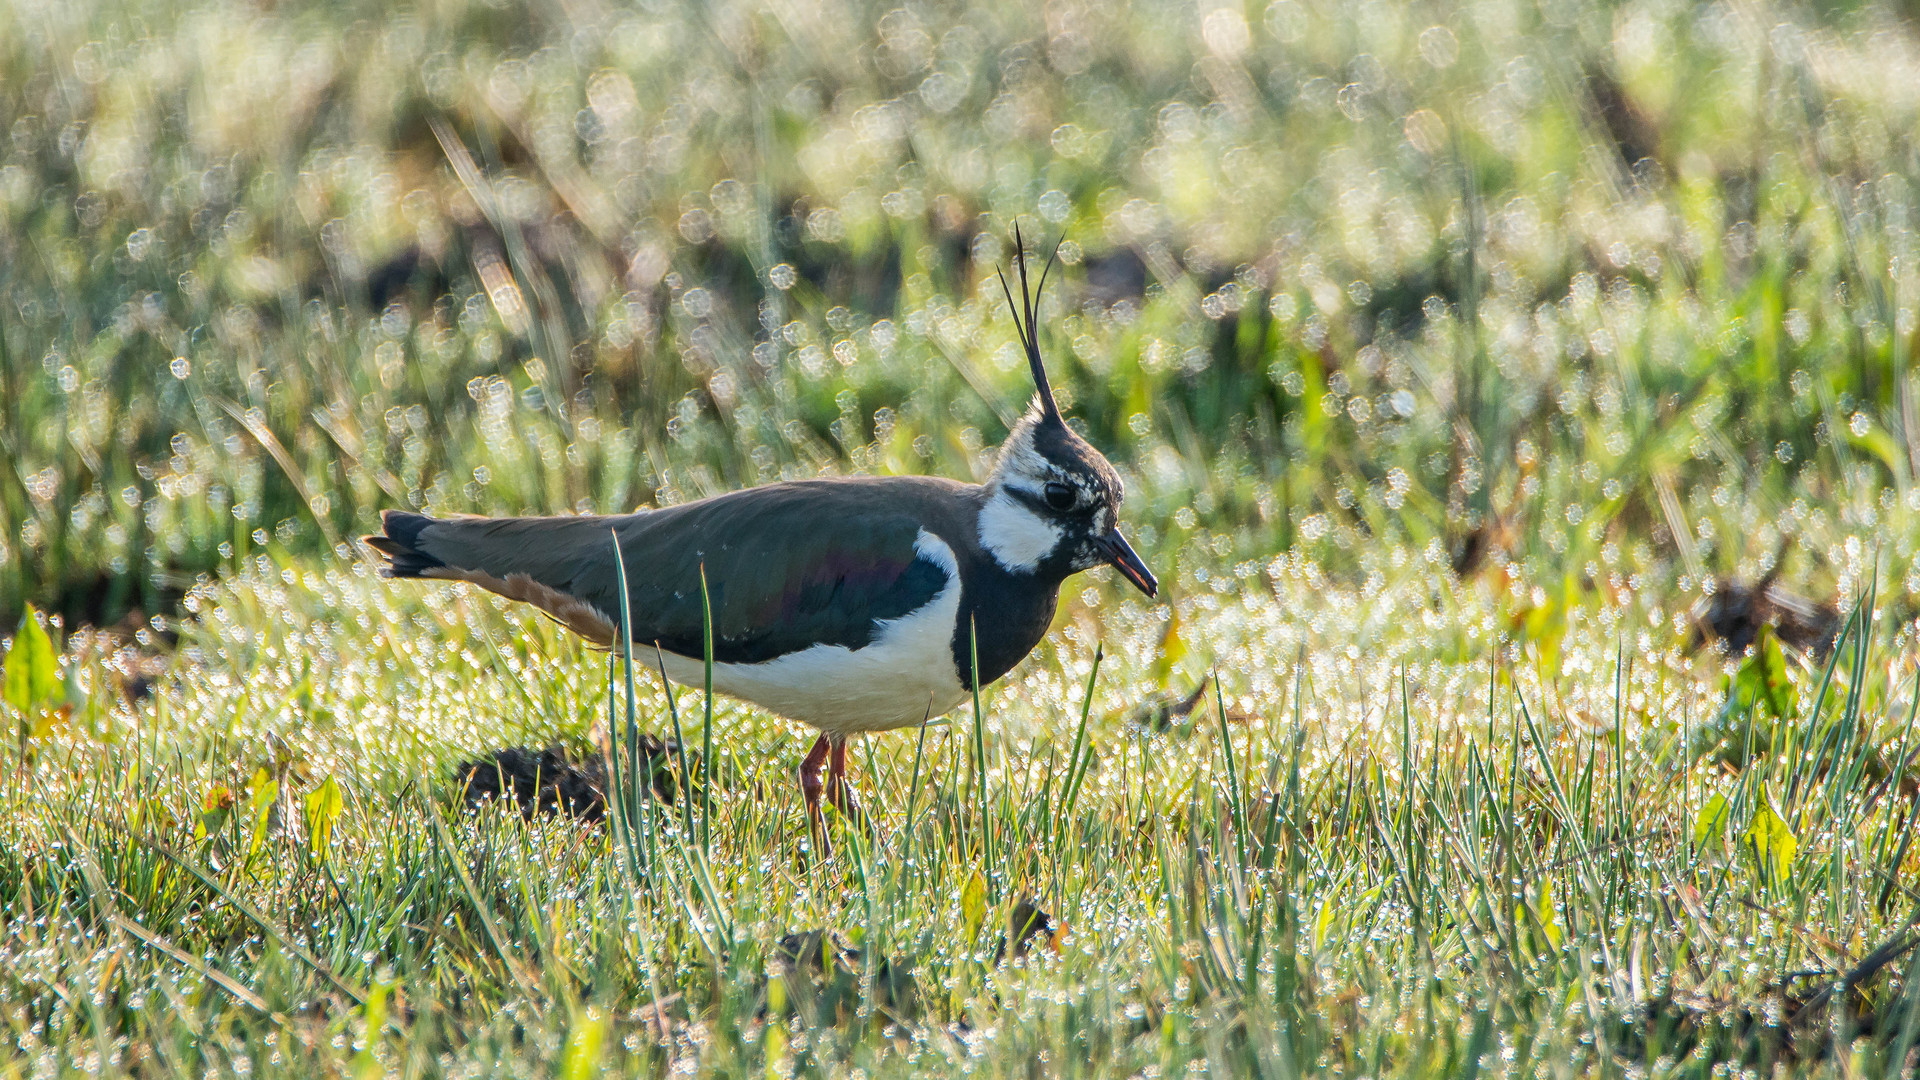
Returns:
(839,791)
(810,783)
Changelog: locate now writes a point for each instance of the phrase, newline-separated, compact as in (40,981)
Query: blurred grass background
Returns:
(1622,291)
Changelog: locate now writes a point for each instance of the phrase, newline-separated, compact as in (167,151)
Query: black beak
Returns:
(1117,551)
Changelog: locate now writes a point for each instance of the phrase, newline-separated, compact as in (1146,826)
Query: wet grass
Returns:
(1385,853)
(1461,363)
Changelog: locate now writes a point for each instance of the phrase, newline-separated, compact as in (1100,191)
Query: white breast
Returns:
(901,677)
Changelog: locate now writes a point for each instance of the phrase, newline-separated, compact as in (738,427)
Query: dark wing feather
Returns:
(787,568)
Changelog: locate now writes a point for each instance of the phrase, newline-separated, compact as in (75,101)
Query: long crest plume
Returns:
(1025,324)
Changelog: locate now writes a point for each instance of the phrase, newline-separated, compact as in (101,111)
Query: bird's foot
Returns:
(812,786)
(840,796)
(840,790)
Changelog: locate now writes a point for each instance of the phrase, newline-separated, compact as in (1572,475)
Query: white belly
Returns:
(901,677)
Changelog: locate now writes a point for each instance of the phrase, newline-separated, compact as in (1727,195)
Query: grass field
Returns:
(1497,386)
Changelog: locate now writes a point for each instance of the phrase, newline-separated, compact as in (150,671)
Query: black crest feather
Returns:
(1025,324)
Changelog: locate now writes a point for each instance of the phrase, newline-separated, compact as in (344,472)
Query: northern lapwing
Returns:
(851,605)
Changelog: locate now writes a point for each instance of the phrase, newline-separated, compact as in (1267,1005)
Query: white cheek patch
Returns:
(1016,537)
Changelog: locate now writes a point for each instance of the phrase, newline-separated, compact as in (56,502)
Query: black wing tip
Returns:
(400,543)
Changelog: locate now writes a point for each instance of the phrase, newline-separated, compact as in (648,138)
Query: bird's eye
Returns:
(1059,496)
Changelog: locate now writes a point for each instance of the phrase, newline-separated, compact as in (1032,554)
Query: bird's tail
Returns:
(548,562)
(399,541)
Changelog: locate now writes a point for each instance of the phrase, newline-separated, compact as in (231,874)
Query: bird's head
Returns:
(1053,502)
